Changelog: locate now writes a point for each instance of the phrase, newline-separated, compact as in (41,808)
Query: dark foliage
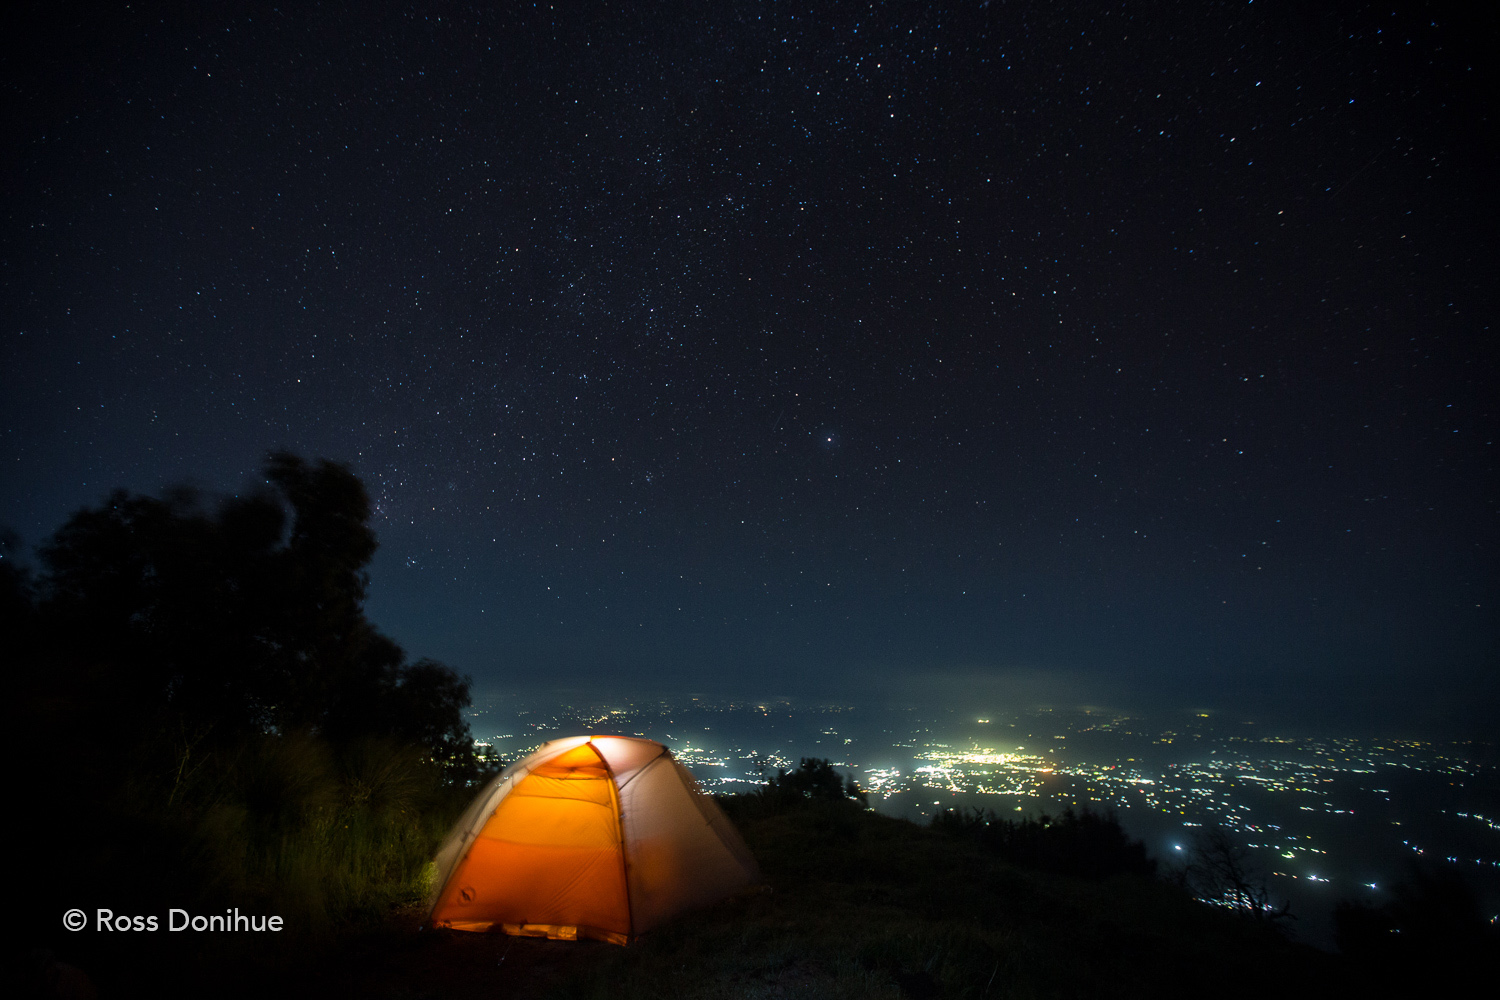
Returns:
(814,779)
(162,617)
(1083,843)
(17,599)
(248,737)
(814,784)
(1221,871)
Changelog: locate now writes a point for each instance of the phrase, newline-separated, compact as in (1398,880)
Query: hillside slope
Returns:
(862,905)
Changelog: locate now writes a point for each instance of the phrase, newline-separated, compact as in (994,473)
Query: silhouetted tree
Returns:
(420,710)
(203,683)
(1221,871)
(158,611)
(815,780)
(199,629)
(814,783)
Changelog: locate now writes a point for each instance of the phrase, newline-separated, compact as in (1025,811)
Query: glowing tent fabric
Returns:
(594,836)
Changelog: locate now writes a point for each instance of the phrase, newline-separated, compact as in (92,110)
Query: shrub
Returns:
(813,783)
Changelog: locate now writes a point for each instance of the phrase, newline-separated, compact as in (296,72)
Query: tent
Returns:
(593,836)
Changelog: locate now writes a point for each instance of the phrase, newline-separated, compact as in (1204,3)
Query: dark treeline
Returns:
(210,719)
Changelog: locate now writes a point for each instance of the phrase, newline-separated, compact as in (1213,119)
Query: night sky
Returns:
(1130,354)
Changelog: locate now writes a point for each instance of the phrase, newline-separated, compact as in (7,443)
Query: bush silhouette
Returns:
(815,780)
(814,784)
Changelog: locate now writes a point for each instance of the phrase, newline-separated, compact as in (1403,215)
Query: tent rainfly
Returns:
(599,837)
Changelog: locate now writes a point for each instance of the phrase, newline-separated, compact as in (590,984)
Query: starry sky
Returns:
(1124,353)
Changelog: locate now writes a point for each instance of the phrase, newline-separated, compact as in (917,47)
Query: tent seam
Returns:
(614,793)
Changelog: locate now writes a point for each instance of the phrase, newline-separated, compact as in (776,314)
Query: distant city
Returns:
(1325,818)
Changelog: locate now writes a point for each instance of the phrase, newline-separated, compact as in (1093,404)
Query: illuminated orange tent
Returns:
(594,836)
